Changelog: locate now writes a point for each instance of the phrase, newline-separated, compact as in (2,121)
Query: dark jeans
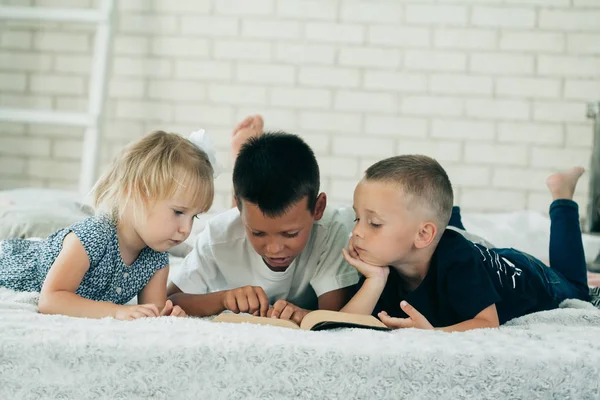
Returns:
(567,276)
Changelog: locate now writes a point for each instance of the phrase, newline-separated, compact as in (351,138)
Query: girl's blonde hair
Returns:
(156,167)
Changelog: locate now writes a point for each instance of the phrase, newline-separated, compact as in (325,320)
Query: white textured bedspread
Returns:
(553,354)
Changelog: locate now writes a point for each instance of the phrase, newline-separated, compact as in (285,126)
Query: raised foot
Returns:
(562,184)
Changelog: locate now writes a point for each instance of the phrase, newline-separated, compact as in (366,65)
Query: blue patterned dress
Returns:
(24,264)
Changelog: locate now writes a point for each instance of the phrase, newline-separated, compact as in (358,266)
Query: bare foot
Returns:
(258,124)
(251,126)
(562,184)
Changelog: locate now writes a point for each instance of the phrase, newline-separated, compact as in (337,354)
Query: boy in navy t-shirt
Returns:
(417,273)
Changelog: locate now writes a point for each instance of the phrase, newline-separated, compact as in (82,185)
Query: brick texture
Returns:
(496,90)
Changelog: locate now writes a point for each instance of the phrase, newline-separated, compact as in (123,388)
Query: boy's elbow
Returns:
(176,298)
(488,323)
(172,289)
(494,324)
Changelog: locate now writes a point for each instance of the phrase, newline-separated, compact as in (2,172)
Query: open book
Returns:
(318,320)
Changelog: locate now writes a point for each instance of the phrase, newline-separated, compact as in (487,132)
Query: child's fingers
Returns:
(298,316)
(152,308)
(178,312)
(348,257)
(351,251)
(167,309)
(253,303)
(410,311)
(137,315)
(419,319)
(278,307)
(242,302)
(354,261)
(394,323)
(230,302)
(148,311)
(351,246)
(263,300)
(287,312)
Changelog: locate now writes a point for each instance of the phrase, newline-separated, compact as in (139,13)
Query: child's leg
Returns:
(455,219)
(566,246)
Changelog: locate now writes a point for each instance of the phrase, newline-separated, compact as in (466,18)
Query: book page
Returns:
(241,318)
(315,317)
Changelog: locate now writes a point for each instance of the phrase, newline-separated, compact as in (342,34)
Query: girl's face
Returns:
(168,222)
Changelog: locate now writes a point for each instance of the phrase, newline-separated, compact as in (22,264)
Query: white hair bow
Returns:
(201,140)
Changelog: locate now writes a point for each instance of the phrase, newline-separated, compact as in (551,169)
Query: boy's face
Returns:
(280,239)
(385,229)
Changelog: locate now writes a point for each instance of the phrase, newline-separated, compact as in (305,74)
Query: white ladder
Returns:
(90,120)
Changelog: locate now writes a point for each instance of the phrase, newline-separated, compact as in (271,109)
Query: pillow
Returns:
(26,213)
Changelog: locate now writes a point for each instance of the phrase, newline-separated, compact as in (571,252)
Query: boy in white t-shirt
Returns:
(279,253)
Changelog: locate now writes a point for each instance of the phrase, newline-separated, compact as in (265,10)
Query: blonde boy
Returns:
(416,273)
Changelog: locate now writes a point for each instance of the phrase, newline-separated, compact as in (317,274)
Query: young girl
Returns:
(148,200)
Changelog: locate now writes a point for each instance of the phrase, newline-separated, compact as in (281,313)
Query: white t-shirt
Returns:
(223,258)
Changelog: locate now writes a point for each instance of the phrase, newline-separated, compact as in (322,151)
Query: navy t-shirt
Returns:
(465,278)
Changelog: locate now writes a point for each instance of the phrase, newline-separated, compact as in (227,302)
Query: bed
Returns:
(548,354)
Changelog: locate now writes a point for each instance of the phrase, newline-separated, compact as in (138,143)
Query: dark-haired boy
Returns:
(278,253)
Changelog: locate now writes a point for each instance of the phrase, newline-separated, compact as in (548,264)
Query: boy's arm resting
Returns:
(487,318)
(198,305)
(335,299)
(155,291)
(248,299)
(64,277)
(365,299)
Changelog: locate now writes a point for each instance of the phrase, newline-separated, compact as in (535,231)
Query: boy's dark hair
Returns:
(419,176)
(275,171)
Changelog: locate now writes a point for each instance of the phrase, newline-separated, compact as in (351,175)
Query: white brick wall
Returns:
(494,89)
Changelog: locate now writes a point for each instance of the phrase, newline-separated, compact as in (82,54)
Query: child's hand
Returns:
(284,310)
(129,313)
(415,319)
(367,270)
(172,311)
(247,299)
(250,127)
(353,253)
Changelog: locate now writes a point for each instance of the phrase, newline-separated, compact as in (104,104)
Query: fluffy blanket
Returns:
(554,354)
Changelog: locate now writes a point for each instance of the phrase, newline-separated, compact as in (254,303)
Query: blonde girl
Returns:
(146,204)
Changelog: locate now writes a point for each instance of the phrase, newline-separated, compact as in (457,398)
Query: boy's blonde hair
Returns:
(154,168)
(420,177)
